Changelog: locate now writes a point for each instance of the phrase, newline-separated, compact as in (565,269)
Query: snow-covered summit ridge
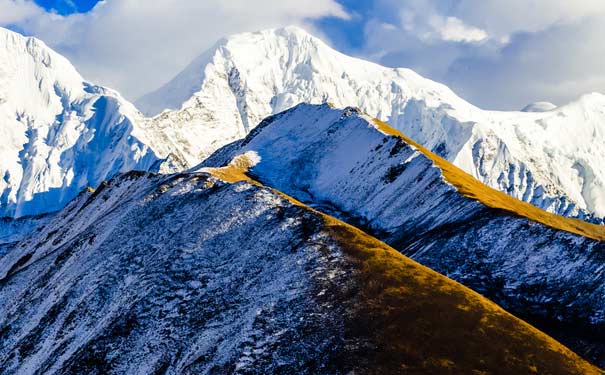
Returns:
(244,78)
(59,133)
(319,149)
(249,76)
(276,56)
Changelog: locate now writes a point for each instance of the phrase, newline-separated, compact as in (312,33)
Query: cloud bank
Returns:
(137,45)
(497,54)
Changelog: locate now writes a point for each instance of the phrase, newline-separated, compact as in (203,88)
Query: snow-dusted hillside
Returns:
(58,133)
(344,163)
(550,157)
(188,274)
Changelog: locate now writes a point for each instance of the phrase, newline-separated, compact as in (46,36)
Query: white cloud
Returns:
(452,29)
(497,54)
(16,11)
(513,16)
(137,45)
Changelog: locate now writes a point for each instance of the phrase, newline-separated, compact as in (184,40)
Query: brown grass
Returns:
(472,188)
(420,322)
(235,171)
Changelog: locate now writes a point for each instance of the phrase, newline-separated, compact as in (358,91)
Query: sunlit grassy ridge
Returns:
(472,188)
(235,171)
(421,322)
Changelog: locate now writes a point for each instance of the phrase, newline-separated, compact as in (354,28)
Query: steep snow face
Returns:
(59,133)
(342,162)
(247,77)
(186,274)
(552,159)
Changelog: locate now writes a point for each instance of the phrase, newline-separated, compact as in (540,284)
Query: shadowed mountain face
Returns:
(546,268)
(213,273)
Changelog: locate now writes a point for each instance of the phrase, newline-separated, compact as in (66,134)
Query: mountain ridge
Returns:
(399,194)
(364,305)
(249,76)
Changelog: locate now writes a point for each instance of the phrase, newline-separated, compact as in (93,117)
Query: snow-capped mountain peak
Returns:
(552,159)
(244,78)
(59,133)
(222,95)
(32,76)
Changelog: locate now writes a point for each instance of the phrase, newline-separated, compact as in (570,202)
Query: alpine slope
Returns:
(543,267)
(211,272)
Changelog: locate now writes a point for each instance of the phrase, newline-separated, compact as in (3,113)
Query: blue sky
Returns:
(496,54)
(65,7)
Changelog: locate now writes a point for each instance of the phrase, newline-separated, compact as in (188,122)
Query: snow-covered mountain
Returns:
(551,157)
(201,273)
(546,268)
(58,133)
(241,265)
(61,134)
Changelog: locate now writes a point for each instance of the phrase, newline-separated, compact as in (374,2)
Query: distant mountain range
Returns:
(551,158)
(266,213)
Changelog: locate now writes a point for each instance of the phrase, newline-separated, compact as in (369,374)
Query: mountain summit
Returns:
(552,159)
(64,134)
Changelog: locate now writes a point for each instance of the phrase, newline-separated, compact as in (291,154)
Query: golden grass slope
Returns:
(420,322)
(474,189)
